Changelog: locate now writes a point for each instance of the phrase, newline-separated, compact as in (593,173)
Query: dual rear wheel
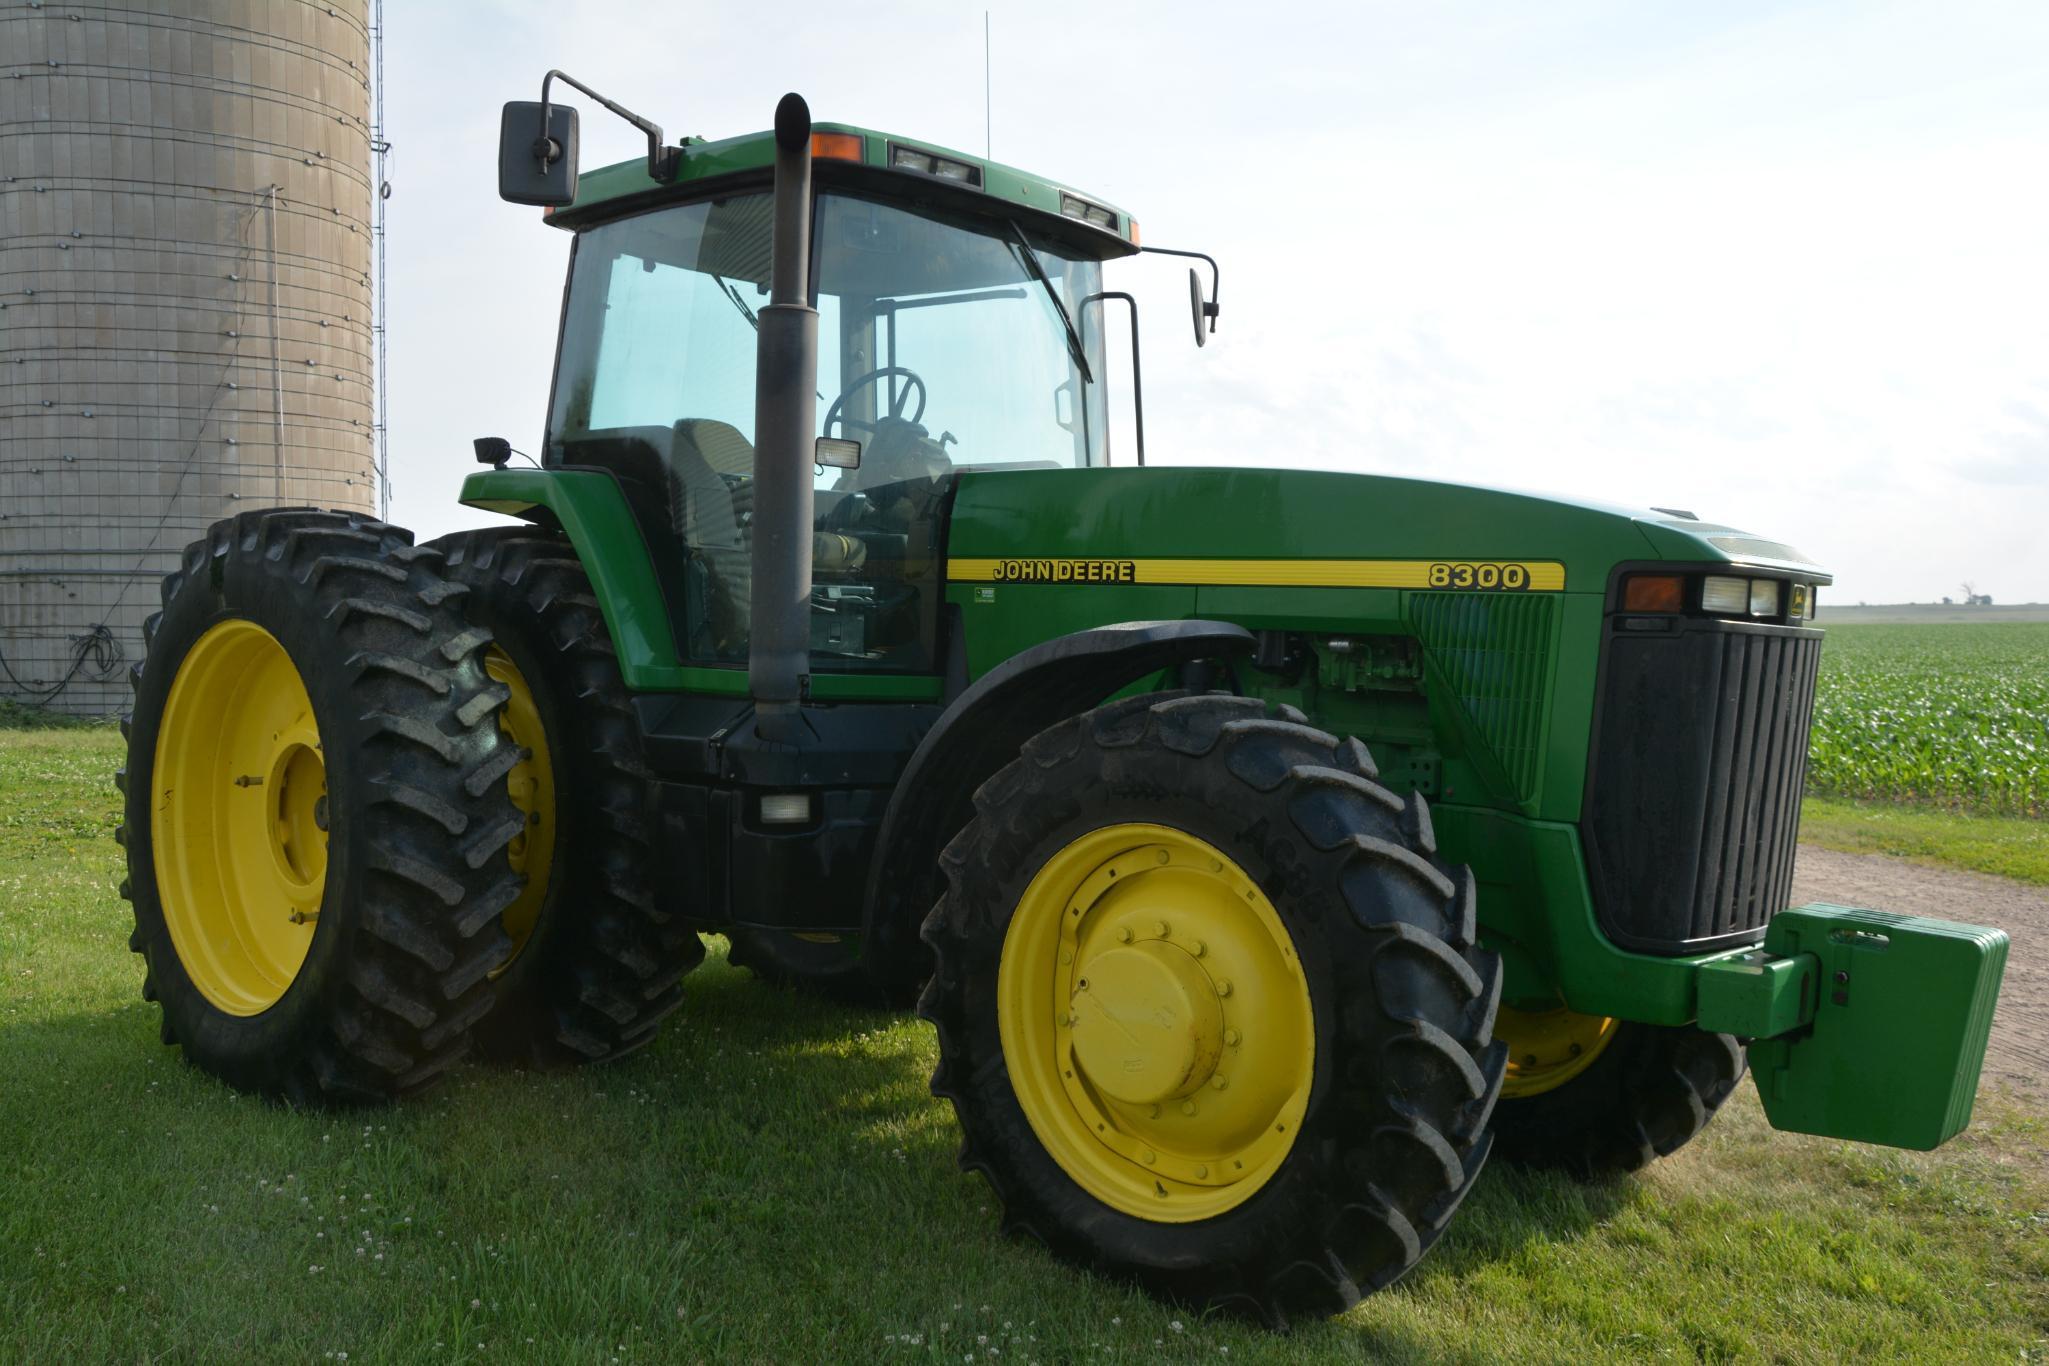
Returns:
(385,802)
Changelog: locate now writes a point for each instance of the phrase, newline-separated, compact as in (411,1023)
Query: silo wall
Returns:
(185,330)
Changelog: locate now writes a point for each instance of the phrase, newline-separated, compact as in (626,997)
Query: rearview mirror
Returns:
(1197,306)
(533,169)
(837,453)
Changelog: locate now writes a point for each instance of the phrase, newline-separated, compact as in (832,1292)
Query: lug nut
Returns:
(1199,948)
(1165,856)
(1187,1107)
(1160,930)
(1202,1173)
(1219,1083)
(1149,1155)
(1223,986)
(1124,934)
(1231,1037)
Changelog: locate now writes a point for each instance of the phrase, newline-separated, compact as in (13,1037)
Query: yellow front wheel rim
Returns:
(239,817)
(531,785)
(1156,1022)
(1548,1048)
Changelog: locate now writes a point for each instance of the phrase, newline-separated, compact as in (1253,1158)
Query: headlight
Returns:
(1764,597)
(1730,597)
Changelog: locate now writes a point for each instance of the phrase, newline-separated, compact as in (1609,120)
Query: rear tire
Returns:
(602,961)
(1649,1093)
(395,921)
(1392,1100)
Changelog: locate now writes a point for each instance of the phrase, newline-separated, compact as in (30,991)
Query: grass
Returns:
(2009,846)
(771,1181)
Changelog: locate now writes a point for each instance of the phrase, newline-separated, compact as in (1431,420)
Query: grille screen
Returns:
(1494,649)
(1694,789)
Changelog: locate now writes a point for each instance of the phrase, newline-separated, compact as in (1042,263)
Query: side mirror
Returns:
(1198,307)
(493,451)
(533,168)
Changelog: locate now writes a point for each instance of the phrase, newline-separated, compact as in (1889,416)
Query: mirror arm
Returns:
(1209,310)
(663,163)
(1137,373)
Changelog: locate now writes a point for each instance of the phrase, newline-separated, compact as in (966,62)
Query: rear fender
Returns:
(984,729)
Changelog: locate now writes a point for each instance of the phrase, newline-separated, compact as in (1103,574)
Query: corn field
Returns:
(1954,716)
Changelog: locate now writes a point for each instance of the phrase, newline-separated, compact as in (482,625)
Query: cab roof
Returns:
(607,191)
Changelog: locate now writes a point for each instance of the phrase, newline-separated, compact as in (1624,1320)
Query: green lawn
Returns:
(2010,846)
(771,1181)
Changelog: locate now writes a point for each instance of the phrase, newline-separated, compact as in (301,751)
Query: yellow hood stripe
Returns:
(1541,576)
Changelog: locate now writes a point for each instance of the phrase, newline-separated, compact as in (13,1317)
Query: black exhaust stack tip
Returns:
(792,122)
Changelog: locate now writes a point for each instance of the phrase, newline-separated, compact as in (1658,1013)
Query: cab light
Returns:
(836,146)
(785,808)
(1764,597)
(1095,215)
(932,164)
(1730,597)
(1653,593)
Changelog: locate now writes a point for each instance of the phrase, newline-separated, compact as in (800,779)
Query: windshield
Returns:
(930,319)
(941,345)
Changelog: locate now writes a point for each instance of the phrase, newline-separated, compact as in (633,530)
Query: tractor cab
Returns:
(946,339)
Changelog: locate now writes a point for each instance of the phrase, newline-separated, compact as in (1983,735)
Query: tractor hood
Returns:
(1317,529)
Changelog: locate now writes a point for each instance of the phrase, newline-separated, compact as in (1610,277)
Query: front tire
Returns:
(1630,1094)
(315,815)
(1210,1012)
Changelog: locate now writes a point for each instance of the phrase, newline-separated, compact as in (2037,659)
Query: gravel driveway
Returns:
(2019,1054)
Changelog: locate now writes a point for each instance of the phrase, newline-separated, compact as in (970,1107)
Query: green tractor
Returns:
(1268,846)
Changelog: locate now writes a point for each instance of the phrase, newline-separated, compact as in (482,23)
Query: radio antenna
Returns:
(988,141)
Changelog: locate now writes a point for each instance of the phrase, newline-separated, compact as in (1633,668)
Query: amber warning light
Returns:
(836,146)
(1652,593)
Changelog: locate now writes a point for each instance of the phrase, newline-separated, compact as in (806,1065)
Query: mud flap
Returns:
(1897,1012)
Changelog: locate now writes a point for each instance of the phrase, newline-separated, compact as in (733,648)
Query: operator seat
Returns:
(712,515)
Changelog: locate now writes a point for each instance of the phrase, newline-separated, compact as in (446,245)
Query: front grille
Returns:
(1694,785)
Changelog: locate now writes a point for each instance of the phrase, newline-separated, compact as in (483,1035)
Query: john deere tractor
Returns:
(1269,846)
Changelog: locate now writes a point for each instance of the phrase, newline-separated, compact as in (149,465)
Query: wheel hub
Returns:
(1148,1024)
(1156,1022)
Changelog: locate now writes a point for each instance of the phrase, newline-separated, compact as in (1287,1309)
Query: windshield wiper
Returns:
(1023,247)
(738,302)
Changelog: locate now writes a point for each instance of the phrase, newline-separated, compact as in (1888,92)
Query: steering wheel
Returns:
(896,407)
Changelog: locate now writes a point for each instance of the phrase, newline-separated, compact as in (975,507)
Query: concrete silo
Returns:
(185,299)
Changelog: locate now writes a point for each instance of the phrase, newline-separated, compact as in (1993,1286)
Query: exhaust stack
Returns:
(785,414)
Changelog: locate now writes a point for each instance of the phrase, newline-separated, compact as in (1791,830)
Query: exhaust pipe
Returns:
(785,413)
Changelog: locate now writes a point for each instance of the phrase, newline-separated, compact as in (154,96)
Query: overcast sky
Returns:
(1786,265)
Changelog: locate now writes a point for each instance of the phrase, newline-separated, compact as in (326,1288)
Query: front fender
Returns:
(592,511)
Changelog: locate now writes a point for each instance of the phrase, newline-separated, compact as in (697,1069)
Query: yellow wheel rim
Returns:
(1548,1048)
(531,784)
(238,820)
(1156,1022)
